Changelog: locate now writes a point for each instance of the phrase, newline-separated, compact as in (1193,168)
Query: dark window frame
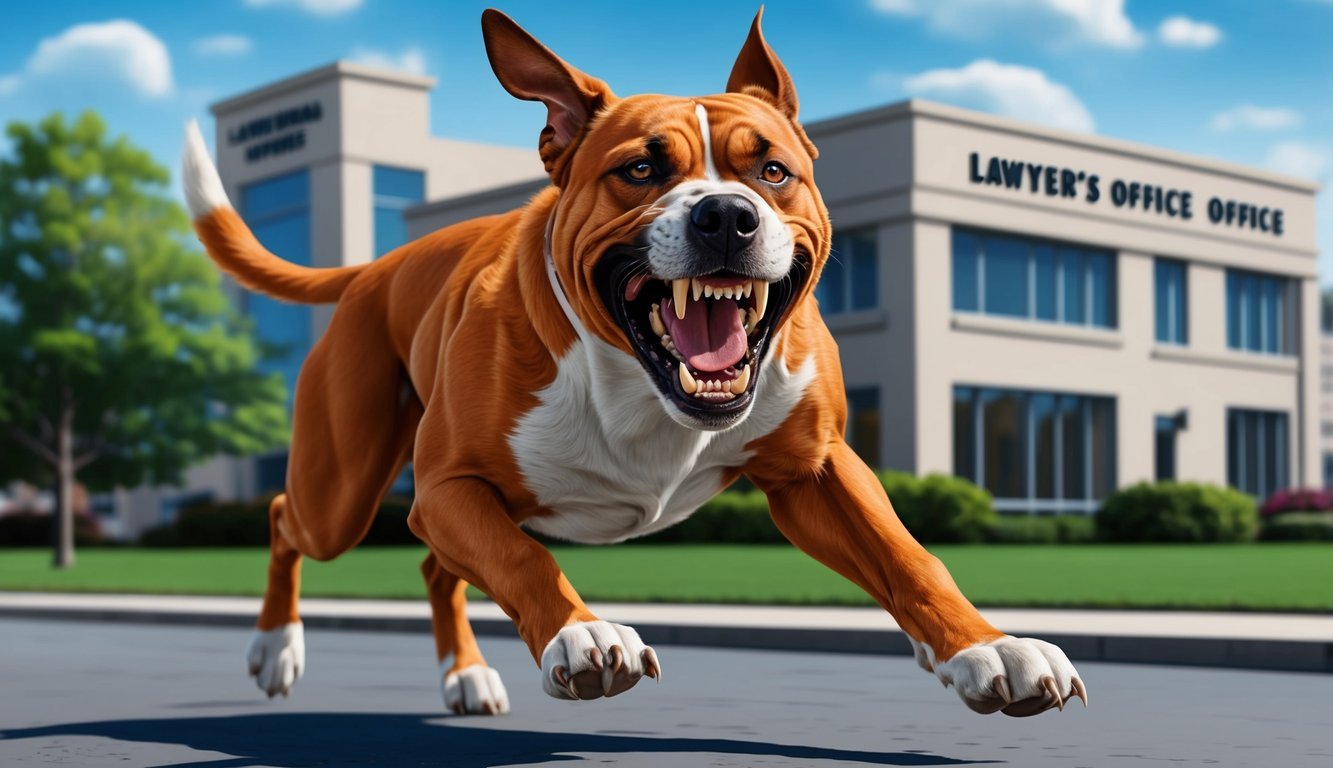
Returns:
(1073,265)
(1086,410)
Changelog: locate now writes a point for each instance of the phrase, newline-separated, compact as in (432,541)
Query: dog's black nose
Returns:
(725,223)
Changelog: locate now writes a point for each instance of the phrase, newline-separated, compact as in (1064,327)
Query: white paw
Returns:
(276,658)
(474,690)
(1020,676)
(592,659)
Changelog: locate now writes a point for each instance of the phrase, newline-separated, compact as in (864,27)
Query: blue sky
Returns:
(1243,81)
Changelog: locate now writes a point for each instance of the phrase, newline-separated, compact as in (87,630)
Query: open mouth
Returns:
(701,338)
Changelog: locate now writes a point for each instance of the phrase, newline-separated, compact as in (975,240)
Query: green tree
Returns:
(121,359)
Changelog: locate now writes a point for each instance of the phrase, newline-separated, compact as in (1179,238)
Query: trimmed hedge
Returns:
(1298,526)
(245,524)
(731,517)
(34,529)
(1177,512)
(1043,529)
(940,509)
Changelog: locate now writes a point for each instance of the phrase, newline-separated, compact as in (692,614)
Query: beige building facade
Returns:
(1053,315)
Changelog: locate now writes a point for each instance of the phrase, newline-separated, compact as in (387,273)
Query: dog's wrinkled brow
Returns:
(760,143)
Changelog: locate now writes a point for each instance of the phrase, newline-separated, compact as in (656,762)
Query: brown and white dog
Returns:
(594,367)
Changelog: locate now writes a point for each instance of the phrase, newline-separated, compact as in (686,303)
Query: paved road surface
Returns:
(88,694)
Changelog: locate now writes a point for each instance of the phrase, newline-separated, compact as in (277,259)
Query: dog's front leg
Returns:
(842,517)
(467,527)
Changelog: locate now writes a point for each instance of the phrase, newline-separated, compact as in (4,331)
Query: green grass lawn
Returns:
(1280,577)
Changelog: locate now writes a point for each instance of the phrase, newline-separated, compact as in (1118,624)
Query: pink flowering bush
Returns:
(1297,500)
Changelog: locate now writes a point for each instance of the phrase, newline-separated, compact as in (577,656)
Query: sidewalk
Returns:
(1234,640)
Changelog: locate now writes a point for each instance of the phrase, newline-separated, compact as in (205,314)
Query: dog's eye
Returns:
(774,173)
(639,170)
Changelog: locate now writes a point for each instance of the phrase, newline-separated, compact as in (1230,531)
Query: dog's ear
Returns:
(530,71)
(758,72)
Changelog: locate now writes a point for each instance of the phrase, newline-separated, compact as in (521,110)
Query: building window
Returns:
(850,280)
(1171,289)
(1328,470)
(1166,428)
(1033,279)
(1257,312)
(278,212)
(1257,451)
(863,424)
(1036,452)
(395,190)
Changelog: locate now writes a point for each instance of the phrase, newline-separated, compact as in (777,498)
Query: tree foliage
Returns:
(113,322)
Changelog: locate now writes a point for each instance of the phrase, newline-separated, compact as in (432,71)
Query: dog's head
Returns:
(687,229)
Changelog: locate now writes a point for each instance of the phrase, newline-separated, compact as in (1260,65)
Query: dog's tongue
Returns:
(711,337)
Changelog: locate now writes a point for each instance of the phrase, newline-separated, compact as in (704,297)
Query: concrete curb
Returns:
(1304,654)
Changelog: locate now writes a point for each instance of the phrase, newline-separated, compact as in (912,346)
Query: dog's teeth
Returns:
(749,288)
(751,320)
(697,287)
(760,299)
(655,320)
(742,381)
(687,381)
(725,291)
(680,290)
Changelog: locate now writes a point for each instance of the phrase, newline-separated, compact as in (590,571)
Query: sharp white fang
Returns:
(655,320)
(749,288)
(680,290)
(698,288)
(687,381)
(751,320)
(760,299)
(742,381)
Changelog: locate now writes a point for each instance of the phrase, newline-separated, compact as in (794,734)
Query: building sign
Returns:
(1092,189)
(275,134)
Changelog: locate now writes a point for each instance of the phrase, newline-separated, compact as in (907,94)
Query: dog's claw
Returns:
(1080,691)
(595,656)
(573,690)
(651,666)
(1001,684)
(1048,683)
(560,676)
(617,659)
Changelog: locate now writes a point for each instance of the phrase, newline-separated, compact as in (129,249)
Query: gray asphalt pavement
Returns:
(90,694)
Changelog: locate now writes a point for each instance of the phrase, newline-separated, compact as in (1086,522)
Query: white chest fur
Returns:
(602,454)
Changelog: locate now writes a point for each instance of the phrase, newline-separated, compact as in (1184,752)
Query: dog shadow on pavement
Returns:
(297,740)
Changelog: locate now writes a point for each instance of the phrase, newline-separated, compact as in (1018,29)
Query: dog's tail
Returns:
(233,246)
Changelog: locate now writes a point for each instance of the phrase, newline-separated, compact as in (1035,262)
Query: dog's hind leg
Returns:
(352,428)
(470,686)
(276,656)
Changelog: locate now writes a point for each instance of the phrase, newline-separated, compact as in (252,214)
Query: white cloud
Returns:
(1100,22)
(1299,158)
(223,45)
(410,60)
(1005,89)
(1248,117)
(316,7)
(120,48)
(1184,32)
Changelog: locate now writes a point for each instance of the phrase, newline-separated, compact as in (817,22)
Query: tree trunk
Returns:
(63,519)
